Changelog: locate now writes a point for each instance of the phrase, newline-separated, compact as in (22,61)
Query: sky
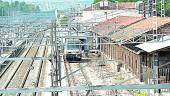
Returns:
(56,4)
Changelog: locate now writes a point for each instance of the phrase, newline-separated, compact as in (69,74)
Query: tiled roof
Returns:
(127,5)
(112,6)
(139,28)
(115,23)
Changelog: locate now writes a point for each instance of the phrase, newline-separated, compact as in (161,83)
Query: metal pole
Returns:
(162,12)
(150,7)
(53,52)
(144,9)
(162,8)
(56,56)
(155,68)
(52,59)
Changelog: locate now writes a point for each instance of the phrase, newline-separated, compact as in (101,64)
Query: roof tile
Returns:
(107,27)
(139,28)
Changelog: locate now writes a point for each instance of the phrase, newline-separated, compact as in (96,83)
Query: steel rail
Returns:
(41,77)
(9,64)
(39,72)
(68,76)
(15,70)
(27,73)
(88,82)
(18,67)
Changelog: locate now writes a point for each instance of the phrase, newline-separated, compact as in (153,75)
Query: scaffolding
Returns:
(29,27)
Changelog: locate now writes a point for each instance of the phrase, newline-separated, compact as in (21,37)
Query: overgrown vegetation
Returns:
(6,8)
(64,19)
(167,8)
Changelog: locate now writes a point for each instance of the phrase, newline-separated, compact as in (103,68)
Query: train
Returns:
(73,50)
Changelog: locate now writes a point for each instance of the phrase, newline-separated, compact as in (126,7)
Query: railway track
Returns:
(22,70)
(9,63)
(68,79)
(71,81)
(96,72)
(79,78)
(33,77)
(10,71)
(24,73)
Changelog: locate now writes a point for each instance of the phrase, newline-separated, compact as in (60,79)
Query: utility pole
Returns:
(56,71)
(155,21)
(155,68)
(155,36)
(162,8)
(150,7)
(144,8)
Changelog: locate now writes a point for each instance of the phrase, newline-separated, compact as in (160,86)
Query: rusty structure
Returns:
(130,38)
(138,44)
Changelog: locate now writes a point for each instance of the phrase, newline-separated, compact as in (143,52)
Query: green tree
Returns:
(5,7)
(167,8)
